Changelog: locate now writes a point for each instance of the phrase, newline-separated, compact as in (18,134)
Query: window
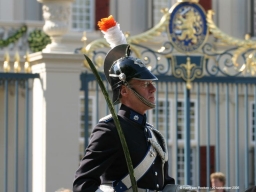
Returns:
(181,166)
(83,15)
(162,117)
(180,120)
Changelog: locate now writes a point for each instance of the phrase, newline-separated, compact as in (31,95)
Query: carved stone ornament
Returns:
(57,17)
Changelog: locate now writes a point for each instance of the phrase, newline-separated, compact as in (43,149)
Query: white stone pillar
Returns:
(231,16)
(55,120)
(136,22)
(57,15)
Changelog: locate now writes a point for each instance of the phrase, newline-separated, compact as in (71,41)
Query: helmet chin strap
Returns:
(141,98)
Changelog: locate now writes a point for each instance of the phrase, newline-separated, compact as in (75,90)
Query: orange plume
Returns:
(106,23)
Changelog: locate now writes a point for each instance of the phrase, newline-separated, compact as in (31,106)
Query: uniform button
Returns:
(155,173)
(146,130)
(157,185)
(153,162)
(136,117)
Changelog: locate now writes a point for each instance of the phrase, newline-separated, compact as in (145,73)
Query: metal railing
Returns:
(15,128)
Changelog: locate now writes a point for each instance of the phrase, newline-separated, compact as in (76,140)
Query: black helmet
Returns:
(120,68)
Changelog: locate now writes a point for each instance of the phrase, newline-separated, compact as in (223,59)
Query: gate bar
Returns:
(86,119)
(254,133)
(187,135)
(237,135)
(198,134)
(97,104)
(227,137)
(6,137)
(167,107)
(176,128)
(246,136)
(27,138)
(217,150)
(208,134)
(156,108)
(16,134)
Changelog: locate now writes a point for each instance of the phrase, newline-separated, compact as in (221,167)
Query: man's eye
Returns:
(146,84)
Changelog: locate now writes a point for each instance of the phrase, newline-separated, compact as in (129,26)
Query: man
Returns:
(104,167)
(218,181)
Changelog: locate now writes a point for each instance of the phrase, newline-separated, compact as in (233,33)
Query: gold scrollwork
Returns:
(243,45)
(99,61)
(250,65)
(217,33)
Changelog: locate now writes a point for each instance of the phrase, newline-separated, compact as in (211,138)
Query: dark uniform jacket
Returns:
(104,161)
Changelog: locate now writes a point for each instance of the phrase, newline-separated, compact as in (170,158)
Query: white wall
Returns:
(230,16)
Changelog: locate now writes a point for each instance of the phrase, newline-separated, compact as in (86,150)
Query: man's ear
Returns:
(124,91)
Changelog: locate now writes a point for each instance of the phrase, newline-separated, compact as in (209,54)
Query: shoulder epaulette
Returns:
(152,127)
(106,118)
(149,125)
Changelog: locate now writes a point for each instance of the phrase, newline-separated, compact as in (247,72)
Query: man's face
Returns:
(146,89)
(216,182)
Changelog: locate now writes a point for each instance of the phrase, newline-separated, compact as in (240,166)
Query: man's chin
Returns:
(152,100)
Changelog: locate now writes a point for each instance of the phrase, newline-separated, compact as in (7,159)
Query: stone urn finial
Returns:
(57,14)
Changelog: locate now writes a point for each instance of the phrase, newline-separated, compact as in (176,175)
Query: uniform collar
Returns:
(133,115)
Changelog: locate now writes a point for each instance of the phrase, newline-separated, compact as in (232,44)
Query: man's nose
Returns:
(152,88)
